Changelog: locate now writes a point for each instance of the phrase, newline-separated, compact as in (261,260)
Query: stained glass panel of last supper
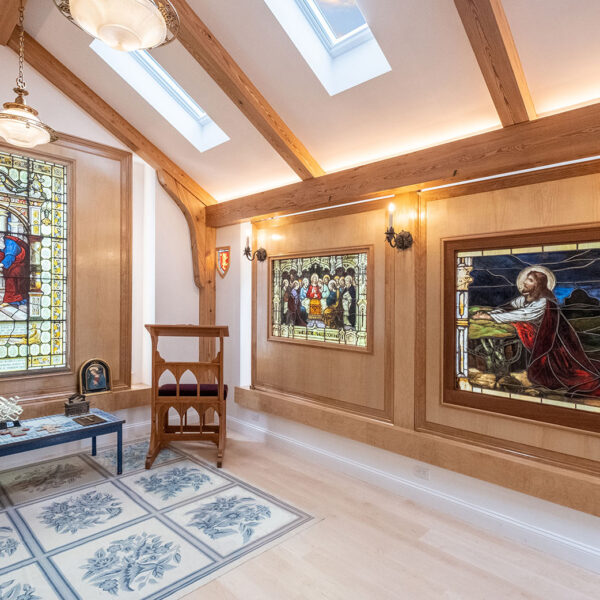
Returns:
(320,299)
(33,264)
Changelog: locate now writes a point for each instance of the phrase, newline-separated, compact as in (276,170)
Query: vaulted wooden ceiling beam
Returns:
(75,89)
(570,135)
(216,61)
(494,47)
(9,16)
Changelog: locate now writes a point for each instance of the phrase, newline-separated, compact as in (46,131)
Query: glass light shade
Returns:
(21,127)
(125,25)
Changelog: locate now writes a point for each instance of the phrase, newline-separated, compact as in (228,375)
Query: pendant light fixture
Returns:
(125,25)
(19,123)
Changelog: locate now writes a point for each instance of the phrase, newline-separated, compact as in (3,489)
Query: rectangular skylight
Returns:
(146,76)
(342,17)
(334,38)
(339,24)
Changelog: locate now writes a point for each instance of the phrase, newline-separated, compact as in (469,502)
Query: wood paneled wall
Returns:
(359,382)
(99,228)
(563,203)
(345,393)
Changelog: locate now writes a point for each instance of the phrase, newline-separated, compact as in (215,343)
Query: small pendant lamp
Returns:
(19,123)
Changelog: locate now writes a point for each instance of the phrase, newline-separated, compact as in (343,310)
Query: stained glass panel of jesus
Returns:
(320,299)
(528,324)
(33,264)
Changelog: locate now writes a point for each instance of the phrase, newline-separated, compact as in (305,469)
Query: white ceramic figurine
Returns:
(10,409)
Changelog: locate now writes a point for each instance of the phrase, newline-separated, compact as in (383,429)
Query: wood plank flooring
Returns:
(372,544)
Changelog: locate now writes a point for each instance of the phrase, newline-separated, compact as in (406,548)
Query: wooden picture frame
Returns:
(563,413)
(368,318)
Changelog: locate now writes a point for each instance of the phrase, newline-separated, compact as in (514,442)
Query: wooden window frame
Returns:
(545,413)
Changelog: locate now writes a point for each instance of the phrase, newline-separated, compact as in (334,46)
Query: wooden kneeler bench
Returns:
(182,396)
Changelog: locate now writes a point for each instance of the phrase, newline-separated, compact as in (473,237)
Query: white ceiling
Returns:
(559,45)
(435,91)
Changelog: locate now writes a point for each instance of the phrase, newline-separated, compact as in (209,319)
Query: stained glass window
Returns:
(33,264)
(527,324)
(320,299)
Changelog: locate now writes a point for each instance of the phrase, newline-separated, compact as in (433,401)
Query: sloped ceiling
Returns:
(559,45)
(435,91)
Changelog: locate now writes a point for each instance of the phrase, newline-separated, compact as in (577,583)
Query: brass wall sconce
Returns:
(400,241)
(260,254)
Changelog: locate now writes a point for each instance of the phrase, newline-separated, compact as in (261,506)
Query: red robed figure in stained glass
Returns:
(557,359)
(15,262)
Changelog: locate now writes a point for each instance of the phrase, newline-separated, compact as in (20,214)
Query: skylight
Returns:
(339,24)
(338,18)
(145,75)
(334,38)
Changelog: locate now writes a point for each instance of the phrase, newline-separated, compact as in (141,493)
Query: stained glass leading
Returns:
(33,264)
(527,324)
(320,299)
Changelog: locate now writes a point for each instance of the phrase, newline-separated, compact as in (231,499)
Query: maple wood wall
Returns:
(392,398)
(100,198)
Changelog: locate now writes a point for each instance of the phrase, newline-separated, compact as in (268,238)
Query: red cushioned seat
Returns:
(190,389)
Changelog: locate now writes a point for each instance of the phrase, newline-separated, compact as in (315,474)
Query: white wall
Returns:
(176,293)
(56,110)
(143,270)
(234,309)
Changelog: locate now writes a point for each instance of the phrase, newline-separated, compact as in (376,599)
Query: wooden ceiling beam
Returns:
(9,17)
(75,89)
(570,135)
(216,61)
(494,47)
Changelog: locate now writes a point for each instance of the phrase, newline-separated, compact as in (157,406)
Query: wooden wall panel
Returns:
(354,381)
(560,203)
(99,268)
(547,461)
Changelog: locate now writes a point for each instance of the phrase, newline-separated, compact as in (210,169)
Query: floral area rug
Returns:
(69,528)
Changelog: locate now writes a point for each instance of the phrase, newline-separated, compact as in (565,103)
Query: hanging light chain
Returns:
(20,80)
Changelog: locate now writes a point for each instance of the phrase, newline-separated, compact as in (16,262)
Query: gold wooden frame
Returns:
(366,249)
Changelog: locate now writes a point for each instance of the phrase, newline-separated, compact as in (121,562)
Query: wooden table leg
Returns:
(119,450)
(94,446)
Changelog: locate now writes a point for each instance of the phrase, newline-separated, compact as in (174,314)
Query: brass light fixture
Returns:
(260,254)
(125,25)
(19,123)
(400,241)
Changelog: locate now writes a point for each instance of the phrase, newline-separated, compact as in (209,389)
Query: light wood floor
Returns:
(372,544)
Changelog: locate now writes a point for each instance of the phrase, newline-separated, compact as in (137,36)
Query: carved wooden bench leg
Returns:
(155,444)
(152,454)
(222,434)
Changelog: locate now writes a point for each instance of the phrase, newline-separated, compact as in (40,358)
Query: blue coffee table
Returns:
(58,429)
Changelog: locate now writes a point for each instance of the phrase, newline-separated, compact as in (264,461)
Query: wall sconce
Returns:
(260,254)
(400,241)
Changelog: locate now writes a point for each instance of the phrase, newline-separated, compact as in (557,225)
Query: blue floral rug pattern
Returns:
(70,529)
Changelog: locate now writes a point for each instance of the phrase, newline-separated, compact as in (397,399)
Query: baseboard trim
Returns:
(503,525)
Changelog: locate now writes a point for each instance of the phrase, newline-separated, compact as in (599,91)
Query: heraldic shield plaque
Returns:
(223,260)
